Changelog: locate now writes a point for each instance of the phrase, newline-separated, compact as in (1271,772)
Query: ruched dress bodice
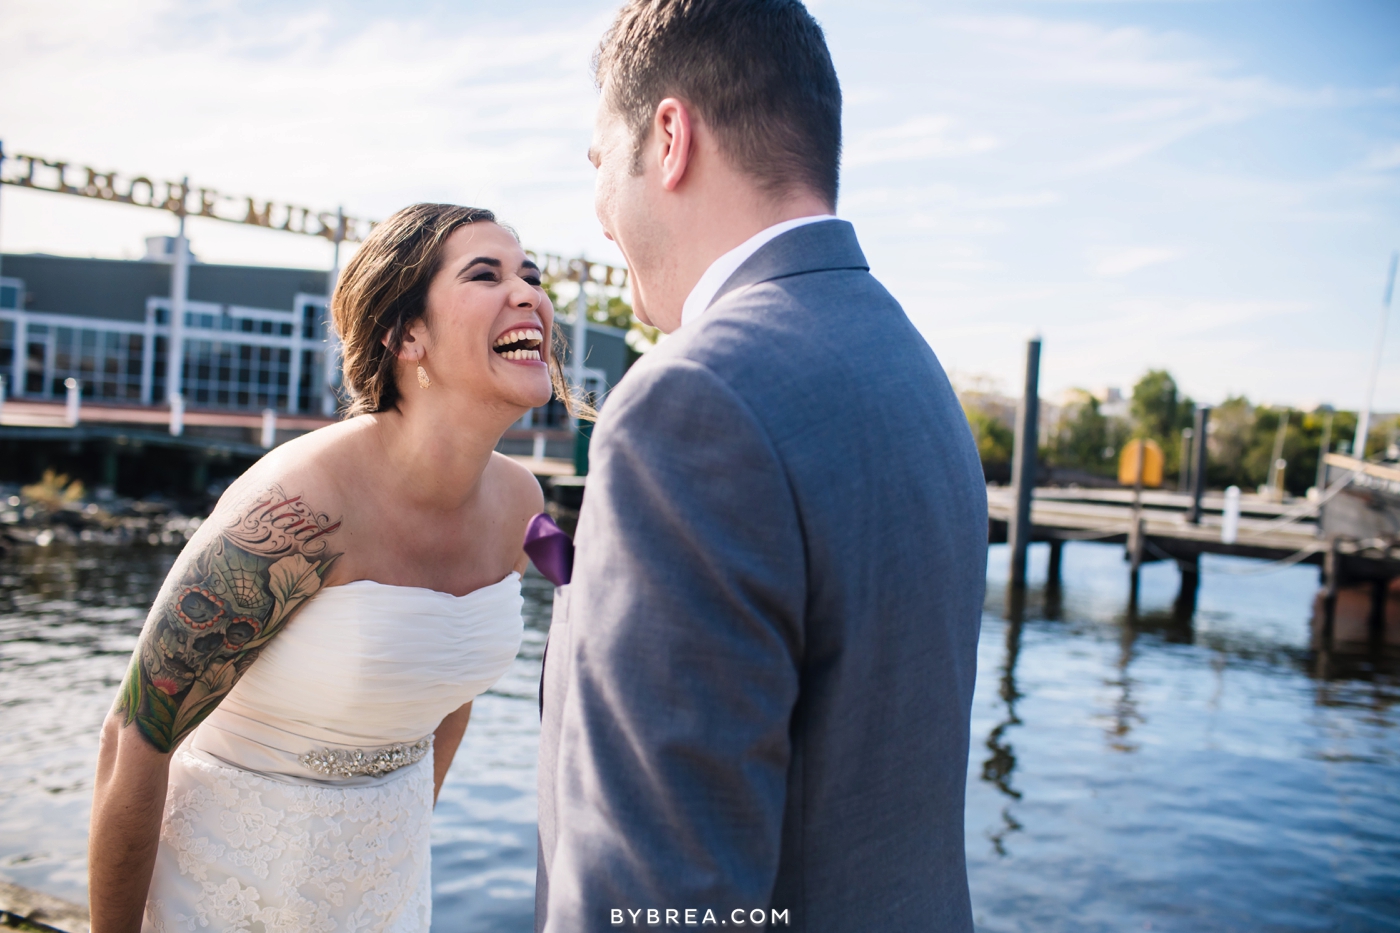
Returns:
(363,666)
(303,801)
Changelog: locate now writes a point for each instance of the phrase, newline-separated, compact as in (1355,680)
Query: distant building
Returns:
(255,337)
(1112,404)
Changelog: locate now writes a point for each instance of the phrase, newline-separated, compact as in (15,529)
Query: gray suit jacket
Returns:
(759,681)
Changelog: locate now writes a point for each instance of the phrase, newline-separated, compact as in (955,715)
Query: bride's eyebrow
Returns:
(480,261)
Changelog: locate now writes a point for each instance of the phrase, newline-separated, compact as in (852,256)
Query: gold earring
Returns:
(423,380)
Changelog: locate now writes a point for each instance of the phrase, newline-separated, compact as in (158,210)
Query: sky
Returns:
(1211,187)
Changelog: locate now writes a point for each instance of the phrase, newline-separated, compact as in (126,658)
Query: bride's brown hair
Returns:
(384,289)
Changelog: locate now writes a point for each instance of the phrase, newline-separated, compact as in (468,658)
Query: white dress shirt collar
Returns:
(722,268)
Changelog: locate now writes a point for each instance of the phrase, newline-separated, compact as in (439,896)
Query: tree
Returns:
(1160,414)
(1154,406)
(1085,438)
(994,440)
(615,313)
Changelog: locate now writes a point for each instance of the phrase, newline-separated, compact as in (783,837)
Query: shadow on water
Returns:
(1001,763)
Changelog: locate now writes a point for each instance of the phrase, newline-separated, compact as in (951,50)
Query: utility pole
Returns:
(1363,424)
(19,299)
(1023,465)
(179,293)
(580,348)
(330,358)
(1321,483)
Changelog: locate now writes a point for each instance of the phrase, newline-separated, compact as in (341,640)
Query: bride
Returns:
(306,673)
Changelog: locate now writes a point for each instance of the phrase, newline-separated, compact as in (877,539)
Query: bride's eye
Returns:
(484,277)
(532,280)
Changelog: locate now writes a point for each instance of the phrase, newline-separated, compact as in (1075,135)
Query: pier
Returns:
(1351,531)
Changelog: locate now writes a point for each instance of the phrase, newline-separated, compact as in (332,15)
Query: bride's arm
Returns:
(242,576)
(446,738)
(448,735)
(127,802)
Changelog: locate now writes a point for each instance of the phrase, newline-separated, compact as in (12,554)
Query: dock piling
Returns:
(1375,624)
(1198,474)
(1052,575)
(1331,567)
(1023,465)
(1190,585)
(1137,538)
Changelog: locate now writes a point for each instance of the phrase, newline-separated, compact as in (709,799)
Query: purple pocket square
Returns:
(551,550)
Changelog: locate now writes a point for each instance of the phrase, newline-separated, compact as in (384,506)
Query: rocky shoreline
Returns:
(31,516)
(23,909)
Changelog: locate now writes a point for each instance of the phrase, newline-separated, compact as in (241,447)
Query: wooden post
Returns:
(1198,474)
(1136,540)
(1190,585)
(1052,576)
(1380,595)
(1023,465)
(1135,521)
(1331,582)
(1183,474)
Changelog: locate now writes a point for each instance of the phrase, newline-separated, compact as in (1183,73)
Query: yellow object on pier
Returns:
(1144,452)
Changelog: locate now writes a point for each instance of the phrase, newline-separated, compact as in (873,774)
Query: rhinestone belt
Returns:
(354,762)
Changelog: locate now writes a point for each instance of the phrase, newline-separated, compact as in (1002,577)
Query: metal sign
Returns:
(182,200)
(558,269)
(179,198)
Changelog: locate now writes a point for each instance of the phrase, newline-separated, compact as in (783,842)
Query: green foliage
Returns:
(1241,442)
(1243,436)
(1154,407)
(614,313)
(1160,413)
(1085,438)
(994,439)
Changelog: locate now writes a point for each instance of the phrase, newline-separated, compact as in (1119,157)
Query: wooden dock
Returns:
(1282,533)
(1059,515)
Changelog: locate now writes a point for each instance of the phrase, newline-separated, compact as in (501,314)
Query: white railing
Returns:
(235,357)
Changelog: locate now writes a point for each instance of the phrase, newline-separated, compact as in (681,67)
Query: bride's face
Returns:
(488,322)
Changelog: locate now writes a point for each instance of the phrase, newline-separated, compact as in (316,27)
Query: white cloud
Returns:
(922,137)
(321,109)
(1387,157)
(1117,261)
(1005,173)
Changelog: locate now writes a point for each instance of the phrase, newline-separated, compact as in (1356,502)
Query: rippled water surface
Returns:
(1128,771)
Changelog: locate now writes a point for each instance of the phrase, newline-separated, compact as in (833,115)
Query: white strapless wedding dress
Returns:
(302,804)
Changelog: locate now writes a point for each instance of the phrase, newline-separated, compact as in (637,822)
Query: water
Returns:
(1127,773)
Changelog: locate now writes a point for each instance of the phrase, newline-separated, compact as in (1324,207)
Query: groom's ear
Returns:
(673,141)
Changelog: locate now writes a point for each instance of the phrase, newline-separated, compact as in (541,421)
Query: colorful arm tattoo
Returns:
(221,604)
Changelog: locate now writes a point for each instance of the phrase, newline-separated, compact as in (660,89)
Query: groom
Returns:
(757,691)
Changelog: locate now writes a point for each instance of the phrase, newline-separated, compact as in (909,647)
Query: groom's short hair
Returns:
(757,72)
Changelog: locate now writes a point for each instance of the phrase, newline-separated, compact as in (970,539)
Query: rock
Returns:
(50,912)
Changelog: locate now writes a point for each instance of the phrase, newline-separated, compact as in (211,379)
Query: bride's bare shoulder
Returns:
(517,486)
(315,467)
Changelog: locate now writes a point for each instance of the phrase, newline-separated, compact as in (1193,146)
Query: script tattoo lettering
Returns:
(222,603)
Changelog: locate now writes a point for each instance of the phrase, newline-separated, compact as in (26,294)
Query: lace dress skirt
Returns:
(239,851)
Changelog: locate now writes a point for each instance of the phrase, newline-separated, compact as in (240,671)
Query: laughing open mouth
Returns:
(520,344)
